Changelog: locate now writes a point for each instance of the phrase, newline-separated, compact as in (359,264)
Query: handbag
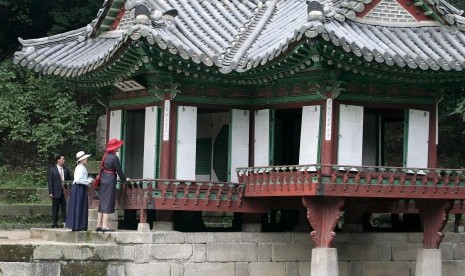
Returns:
(96,183)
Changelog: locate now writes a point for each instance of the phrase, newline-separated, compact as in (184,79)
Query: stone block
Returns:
(451,237)
(405,252)
(357,252)
(159,269)
(130,237)
(292,268)
(230,237)
(343,268)
(268,269)
(158,237)
(93,214)
(455,268)
(84,268)
(372,238)
(47,252)
(324,262)
(113,252)
(142,253)
(291,252)
(264,252)
(169,251)
(114,270)
(200,237)
(381,268)
(242,269)
(252,237)
(459,251)
(16,252)
(209,269)
(174,237)
(355,268)
(303,238)
(447,251)
(415,237)
(305,268)
(428,262)
(162,226)
(251,227)
(200,253)
(385,252)
(15,268)
(143,227)
(177,269)
(45,269)
(226,252)
(64,252)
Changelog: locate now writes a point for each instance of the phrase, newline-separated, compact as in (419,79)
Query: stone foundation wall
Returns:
(223,254)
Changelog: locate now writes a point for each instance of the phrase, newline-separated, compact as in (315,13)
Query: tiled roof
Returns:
(238,35)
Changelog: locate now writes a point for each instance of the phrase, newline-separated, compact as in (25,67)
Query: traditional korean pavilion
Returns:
(256,106)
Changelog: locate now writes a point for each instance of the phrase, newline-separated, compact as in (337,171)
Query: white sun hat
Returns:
(81,156)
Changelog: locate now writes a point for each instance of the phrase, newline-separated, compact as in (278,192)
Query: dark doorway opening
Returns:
(286,136)
(134,143)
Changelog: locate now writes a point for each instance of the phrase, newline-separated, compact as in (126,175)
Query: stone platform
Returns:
(169,253)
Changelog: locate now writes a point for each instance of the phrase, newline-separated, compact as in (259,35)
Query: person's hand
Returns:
(51,195)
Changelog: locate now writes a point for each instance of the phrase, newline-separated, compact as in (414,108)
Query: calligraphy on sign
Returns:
(329,119)
(166,121)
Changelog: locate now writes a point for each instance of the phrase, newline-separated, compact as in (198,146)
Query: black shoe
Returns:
(98,229)
(107,230)
(54,226)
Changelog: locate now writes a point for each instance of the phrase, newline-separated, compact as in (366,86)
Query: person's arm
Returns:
(67,174)
(81,177)
(118,169)
(50,182)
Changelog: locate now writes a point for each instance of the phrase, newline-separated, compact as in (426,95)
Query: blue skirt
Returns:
(78,208)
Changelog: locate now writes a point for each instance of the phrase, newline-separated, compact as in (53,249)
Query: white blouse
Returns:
(81,176)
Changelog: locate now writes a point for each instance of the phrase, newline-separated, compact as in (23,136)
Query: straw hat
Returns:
(81,156)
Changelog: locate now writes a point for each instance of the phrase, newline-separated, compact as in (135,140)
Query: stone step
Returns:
(68,236)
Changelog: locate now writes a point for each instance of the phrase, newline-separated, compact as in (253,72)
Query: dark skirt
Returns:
(107,193)
(78,208)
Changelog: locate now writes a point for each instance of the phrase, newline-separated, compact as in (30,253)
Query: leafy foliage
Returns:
(43,115)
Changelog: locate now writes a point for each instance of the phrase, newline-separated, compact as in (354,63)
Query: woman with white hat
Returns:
(78,206)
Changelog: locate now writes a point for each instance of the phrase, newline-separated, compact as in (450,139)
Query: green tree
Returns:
(42,116)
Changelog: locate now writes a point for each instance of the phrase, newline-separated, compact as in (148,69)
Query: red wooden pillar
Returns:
(323,214)
(165,149)
(328,154)
(167,159)
(433,214)
(432,139)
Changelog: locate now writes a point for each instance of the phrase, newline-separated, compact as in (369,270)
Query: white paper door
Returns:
(115,126)
(186,142)
(262,138)
(310,135)
(150,142)
(417,139)
(239,149)
(350,135)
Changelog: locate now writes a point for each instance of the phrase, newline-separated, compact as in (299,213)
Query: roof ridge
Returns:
(243,42)
(53,38)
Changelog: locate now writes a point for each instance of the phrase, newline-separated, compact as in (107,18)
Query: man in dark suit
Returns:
(56,175)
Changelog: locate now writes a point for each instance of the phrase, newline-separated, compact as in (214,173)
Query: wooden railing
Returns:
(163,194)
(360,181)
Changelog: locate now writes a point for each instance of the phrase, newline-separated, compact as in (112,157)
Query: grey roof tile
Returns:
(241,35)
